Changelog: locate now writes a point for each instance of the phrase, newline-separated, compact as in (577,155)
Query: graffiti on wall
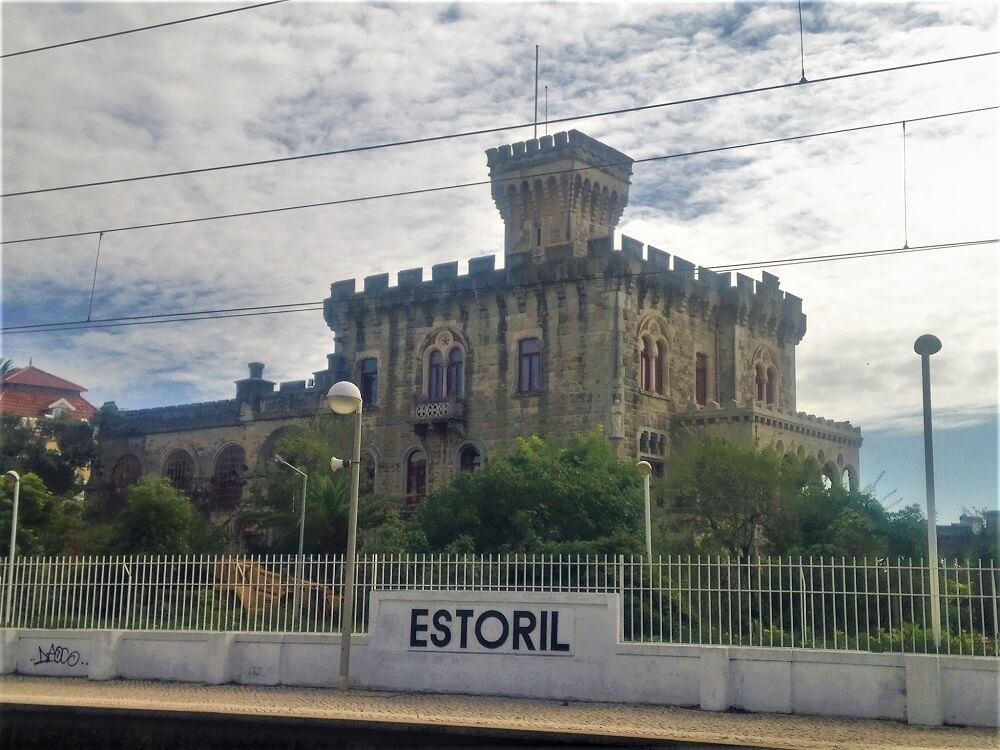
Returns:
(57,654)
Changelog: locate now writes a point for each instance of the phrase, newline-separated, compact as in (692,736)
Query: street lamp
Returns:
(645,469)
(925,346)
(16,478)
(344,398)
(302,526)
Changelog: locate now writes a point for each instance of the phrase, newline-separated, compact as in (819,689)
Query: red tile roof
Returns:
(31,375)
(34,404)
(29,392)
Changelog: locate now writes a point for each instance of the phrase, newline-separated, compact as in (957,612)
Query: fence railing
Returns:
(817,603)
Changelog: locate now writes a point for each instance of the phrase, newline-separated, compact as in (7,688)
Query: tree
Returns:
(26,449)
(6,367)
(393,535)
(276,496)
(725,495)
(540,498)
(47,524)
(159,520)
(734,499)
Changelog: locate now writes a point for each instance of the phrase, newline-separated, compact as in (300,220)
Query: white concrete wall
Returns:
(595,666)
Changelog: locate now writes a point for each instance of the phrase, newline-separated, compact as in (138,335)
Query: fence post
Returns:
(621,588)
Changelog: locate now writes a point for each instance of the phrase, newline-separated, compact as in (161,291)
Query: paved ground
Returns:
(477,713)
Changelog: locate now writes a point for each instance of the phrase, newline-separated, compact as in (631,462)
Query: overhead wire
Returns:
(278,309)
(140,28)
(497,129)
(480,183)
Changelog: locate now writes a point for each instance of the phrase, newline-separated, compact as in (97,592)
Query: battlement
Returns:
(633,258)
(735,288)
(550,148)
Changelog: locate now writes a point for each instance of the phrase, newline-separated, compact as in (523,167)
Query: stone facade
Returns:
(210,450)
(632,341)
(571,334)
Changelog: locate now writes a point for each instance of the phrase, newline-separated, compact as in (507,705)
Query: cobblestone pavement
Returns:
(483,713)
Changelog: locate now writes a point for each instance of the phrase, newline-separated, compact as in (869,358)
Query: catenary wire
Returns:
(257,310)
(484,131)
(140,28)
(480,183)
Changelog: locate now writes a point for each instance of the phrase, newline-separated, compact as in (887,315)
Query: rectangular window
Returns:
(701,378)
(369,381)
(529,378)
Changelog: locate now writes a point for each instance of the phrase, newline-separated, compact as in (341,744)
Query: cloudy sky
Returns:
(304,77)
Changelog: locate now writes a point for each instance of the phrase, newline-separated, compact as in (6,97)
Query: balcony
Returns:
(440,413)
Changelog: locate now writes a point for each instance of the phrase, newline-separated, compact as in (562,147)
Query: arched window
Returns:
(646,364)
(771,389)
(659,371)
(456,372)
(416,476)
(653,356)
(761,383)
(529,374)
(436,376)
(470,459)
(178,468)
(126,472)
(227,479)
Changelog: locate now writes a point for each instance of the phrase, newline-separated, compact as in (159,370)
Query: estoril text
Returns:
(517,631)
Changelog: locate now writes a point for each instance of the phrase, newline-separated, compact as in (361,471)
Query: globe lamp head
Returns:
(344,398)
(927,344)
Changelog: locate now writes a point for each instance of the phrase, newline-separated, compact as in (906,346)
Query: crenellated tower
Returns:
(558,192)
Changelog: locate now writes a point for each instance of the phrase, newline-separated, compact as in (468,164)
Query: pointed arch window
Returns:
(416,476)
(456,372)
(771,386)
(761,383)
(436,376)
(653,354)
(660,367)
(646,364)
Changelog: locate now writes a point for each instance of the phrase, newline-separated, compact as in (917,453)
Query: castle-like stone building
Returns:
(570,335)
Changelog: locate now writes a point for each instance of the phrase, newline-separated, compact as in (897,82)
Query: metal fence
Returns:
(816,603)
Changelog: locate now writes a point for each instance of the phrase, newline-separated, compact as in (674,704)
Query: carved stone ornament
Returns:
(443,339)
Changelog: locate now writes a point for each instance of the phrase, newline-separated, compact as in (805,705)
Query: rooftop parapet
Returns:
(799,420)
(564,145)
(740,294)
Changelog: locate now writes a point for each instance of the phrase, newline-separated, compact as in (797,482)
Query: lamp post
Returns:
(302,527)
(925,346)
(345,398)
(645,469)
(12,475)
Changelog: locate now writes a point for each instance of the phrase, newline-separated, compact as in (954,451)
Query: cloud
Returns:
(294,78)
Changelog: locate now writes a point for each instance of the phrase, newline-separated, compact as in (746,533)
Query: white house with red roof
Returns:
(33,393)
